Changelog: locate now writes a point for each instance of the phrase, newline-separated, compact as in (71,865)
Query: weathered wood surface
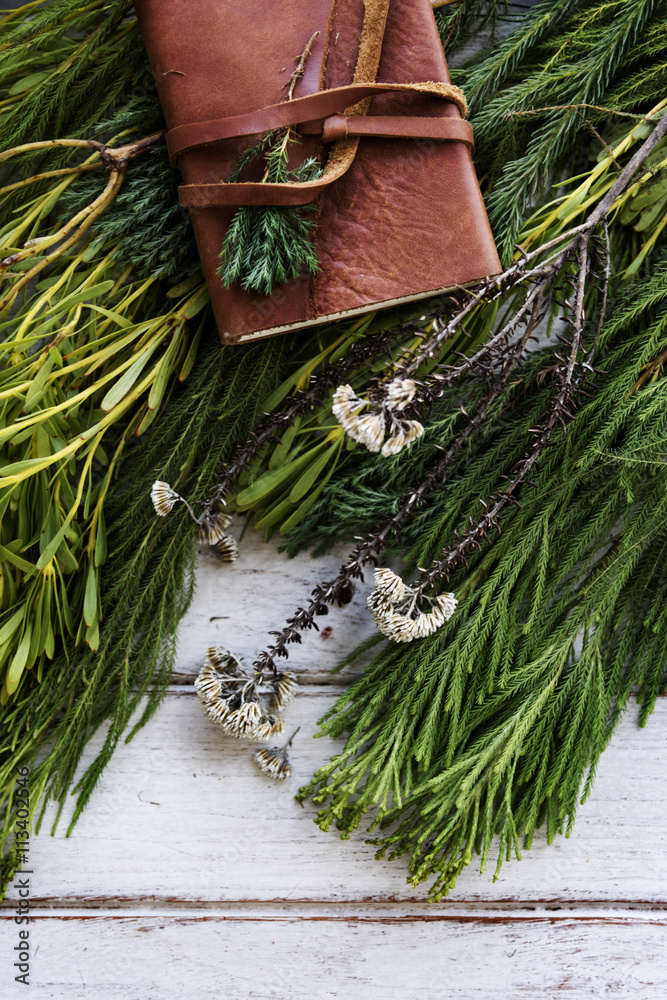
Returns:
(361,956)
(183,814)
(237,604)
(191,874)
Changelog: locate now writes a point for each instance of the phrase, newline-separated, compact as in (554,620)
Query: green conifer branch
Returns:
(271,245)
(495,725)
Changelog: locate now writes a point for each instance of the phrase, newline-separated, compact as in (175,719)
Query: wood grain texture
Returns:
(182,813)
(236,604)
(360,956)
(193,875)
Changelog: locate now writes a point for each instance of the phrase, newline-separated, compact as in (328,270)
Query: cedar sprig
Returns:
(271,245)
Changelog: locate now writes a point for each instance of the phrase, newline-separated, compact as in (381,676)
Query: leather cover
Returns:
(405,221)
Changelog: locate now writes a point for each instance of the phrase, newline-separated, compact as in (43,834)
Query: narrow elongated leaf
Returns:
(308,479)
(17,666)
(164,371)
(22,564)
(127,380)
(90,597)
(274,479)
(10,627)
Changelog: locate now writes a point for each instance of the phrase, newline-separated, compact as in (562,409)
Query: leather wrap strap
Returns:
(340,114)
(320,105)
(255,194)
(337,127)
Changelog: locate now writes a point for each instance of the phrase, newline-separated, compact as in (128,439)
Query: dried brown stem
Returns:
(274,424)
(300,67)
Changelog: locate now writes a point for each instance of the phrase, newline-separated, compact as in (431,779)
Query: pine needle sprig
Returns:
(271,245)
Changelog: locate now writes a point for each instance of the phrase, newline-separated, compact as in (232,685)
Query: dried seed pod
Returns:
(212,527)
(413,430)
(217,711)
(394,444)
(427,624)
(208,684)
(274,763)
(408,431)
(447,603)
(397,627)
(379,606)
(345,406)
(400,392)
(284,688)
(163,497)
(389,585)
(268,726)
(222,659)
(227,548)
(368,430)
(243,721)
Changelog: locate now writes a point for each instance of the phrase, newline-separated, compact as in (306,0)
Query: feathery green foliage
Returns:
(494,725)
(67,64)
(271,245)
(145,226)
(146,583)
(538,97)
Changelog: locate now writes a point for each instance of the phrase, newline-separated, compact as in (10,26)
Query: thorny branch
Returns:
(270,428)
(494,362)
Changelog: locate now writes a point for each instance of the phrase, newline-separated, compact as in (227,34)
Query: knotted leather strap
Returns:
(320,105)
(323,104)
(344,131)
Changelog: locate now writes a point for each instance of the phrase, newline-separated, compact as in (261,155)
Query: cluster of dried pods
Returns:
(211,523)
(232,698)
(396,612)
(383,417)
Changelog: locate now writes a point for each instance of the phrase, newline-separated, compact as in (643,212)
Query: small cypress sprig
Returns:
(271,245)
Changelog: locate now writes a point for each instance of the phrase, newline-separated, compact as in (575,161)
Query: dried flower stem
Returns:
(304,401)
(116,160)
(571,374)
(541,276)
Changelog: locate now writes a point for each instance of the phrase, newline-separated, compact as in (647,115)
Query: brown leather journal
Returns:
(400,214)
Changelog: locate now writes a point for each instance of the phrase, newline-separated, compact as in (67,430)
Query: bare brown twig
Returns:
(494,362)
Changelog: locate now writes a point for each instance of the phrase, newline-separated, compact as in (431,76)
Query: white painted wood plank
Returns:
(182,814)
(296,958)
(237,603)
